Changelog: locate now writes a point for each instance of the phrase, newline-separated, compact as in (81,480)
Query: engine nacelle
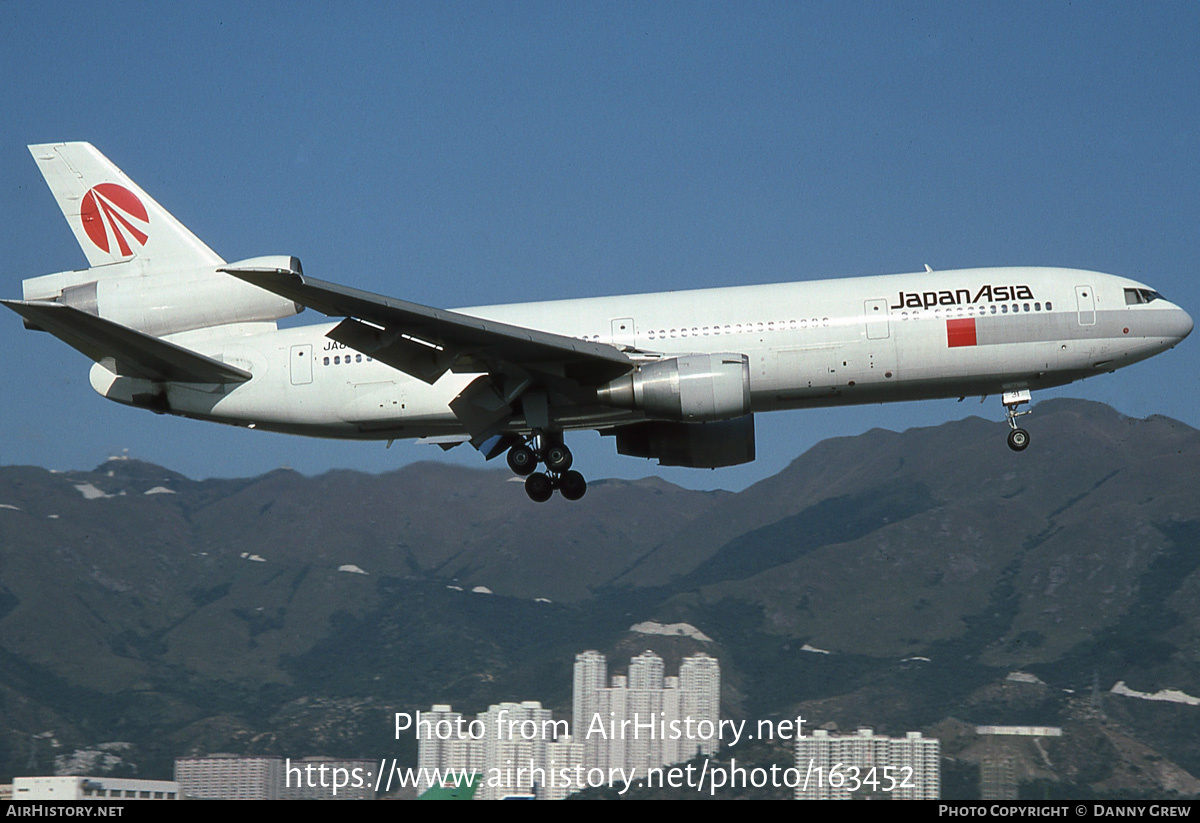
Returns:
(164,303)
(694,388)
(696,445)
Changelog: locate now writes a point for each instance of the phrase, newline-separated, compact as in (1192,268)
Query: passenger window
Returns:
(358,358)
(1037,306)
(1004,309)
(1026,307)
(326,361)
(1048,306)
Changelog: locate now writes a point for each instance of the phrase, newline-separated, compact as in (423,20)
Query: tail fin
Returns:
(113,219)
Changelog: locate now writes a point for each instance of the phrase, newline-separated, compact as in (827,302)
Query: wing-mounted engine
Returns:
(695,445)
(695,388)
(165,302)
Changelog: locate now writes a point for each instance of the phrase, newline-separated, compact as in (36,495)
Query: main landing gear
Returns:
(1018,439)
(551,452)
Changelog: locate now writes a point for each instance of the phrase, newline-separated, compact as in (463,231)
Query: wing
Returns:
(123,350)
(426,343)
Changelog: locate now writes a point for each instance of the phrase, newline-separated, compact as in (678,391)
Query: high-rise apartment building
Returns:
(513,747)
(229,777)
(645,720)
(843,767)
(635,722)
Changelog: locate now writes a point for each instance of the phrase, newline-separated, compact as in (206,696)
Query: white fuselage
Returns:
(815,343)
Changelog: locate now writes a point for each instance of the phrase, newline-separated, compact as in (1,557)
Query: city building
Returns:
(644,719)
(230,777)
(72,788)
(844,767)
(999,775)
(636,722)
(234,777)
(516,749)
(565,757)
(328,778)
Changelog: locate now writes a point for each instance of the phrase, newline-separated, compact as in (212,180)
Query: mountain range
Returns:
(928,579)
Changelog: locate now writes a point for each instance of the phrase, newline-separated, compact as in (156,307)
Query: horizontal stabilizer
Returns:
(123,350)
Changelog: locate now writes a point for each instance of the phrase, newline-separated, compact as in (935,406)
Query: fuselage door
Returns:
(302,366)
(1085,298)
(623,332)
(878,323)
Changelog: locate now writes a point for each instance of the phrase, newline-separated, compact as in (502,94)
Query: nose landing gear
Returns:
(1018,438)
(551,452)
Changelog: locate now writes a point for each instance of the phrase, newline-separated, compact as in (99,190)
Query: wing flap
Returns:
(123,350)
(399,351)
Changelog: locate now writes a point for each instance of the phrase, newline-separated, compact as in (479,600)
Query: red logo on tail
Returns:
(109,207)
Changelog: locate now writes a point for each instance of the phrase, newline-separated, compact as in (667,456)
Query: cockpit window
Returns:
(1135,297)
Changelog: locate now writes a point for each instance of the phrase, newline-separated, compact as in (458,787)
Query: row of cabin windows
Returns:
(970,311)
(738,328)
(339,359)
(780,325)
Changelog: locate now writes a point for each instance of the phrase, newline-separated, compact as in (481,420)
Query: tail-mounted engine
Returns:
(161,303)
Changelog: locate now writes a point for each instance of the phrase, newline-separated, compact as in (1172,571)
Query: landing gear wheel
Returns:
(557,458)
(1018,440)
(572,486)
(522,460)
(539,487)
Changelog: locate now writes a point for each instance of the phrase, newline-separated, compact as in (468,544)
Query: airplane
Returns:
(675,376)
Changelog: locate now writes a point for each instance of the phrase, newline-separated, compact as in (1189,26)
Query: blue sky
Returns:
(457,154)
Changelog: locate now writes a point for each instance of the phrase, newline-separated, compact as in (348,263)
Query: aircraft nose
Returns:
(1182,324)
